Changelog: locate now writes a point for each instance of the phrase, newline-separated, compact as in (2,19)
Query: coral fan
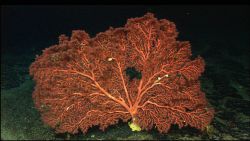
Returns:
(82,81)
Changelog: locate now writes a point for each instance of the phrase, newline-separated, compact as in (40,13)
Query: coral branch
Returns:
(124,86)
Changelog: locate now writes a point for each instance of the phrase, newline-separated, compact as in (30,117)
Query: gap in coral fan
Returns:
(132,73)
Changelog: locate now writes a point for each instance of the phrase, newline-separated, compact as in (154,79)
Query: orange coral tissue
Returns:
(83,82)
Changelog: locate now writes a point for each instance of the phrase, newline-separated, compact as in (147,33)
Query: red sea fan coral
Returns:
(82,82)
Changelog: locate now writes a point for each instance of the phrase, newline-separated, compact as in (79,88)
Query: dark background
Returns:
(27,29)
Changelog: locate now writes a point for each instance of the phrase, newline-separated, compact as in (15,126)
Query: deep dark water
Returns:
(220,34)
